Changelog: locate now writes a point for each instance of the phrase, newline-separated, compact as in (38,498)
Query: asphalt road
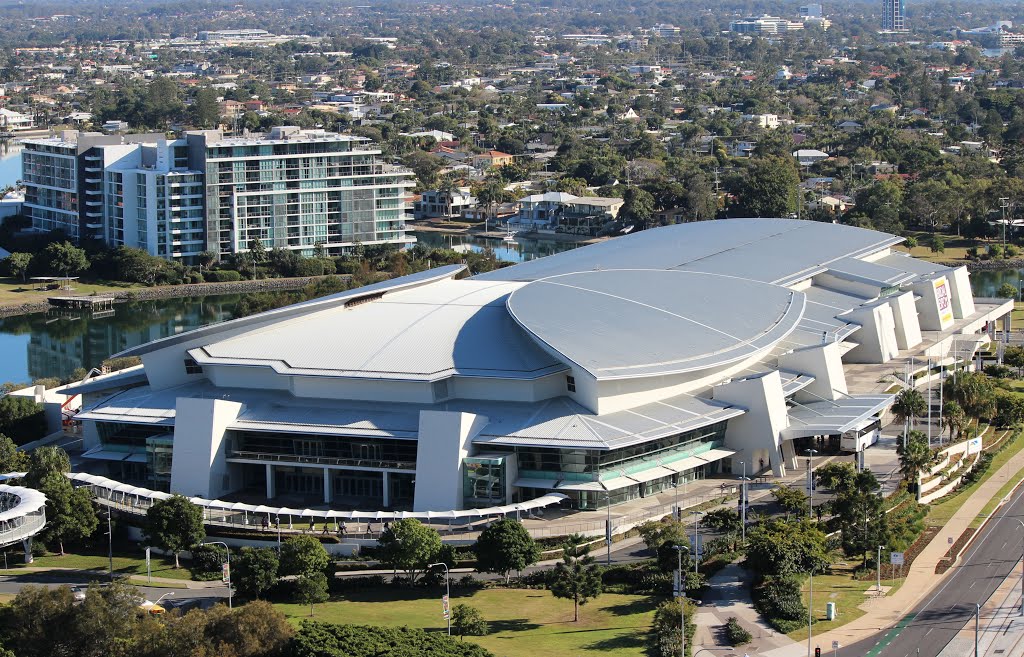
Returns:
(13,584)
(935,621)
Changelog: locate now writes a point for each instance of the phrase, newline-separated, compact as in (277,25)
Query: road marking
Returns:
(890,635)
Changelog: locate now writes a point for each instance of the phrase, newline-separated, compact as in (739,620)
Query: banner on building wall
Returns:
(943,301)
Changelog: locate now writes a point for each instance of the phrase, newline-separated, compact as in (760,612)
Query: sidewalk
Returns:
(728,595)
(921,578)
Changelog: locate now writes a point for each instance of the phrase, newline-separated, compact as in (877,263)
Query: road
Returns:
(54,578)
(936,620)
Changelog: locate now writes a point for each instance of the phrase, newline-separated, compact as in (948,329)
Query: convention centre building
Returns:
(606,373)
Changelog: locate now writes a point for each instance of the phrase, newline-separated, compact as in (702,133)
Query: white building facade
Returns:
(607,373)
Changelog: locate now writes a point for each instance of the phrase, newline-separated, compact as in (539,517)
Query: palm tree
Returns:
(953,416)
(909,403)
(915,457)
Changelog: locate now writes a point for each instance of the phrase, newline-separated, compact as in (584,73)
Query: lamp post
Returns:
(696,515)
(810,610)
(977,624)
(810,486)
(878,564)
(743,504)
(682,600)
(447,593)
(227,552)
(162,597)
(110,544)
(608,528)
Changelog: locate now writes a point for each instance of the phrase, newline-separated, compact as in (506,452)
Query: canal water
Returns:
(56,344)
(521,250)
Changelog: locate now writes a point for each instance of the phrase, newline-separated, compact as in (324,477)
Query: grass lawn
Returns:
(15,293)
(955,247)
(941,513)
(524,623)
(846,592)
(127,565)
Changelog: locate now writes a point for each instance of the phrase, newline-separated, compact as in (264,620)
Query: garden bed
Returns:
(948,559)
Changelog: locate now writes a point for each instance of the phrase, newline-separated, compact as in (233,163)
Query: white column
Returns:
(271,487)
(328,491)
(387,493)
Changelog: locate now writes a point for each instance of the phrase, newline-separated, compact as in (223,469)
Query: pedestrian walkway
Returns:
(104,575)
(921,578)
(728,595)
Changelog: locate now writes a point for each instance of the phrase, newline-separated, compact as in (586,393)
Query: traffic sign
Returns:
(896,558)
(835,645)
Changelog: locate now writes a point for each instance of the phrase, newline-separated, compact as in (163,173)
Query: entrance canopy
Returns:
(826,418)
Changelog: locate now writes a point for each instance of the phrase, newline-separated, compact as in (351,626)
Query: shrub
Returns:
(735,633)
(22,419)
(998,371)
(223,276)
(206,562)
(1012,251)
(995,251)
(779,601)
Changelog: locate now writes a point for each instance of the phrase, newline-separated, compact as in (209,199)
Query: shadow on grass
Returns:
(512,625)
(623,642)
(639,606)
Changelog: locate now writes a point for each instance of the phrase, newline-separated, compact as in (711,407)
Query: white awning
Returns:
(689,463)
(827,418)
(617,483)
(101,454)
(715,455)
(656,472)
(581,485)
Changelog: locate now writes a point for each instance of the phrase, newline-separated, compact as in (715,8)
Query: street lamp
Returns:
(608,527)
(447,593)
(977,623)
(743,504)
(682,599)
(810,486)
(696,552)
(162,597)
(227,552)
(878,564)
(810,610)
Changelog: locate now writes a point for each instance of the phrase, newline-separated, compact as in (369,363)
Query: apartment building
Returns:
(295,188)
(176,198)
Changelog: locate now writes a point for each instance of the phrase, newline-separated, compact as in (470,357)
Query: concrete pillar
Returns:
(1006,329)
(27,545)
(328,489)
(387,491)
(271,484)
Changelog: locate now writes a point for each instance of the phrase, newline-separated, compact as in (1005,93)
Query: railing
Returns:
(13,532)
(323,460)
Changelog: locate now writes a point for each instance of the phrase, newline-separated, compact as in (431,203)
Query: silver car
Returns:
(79,593)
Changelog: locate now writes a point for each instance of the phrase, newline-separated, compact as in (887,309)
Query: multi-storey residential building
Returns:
(296,188)
(176,198)
(765,25)
(894,16)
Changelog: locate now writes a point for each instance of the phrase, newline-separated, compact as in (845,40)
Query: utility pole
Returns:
(1004,204)
(810,484)
(110,544)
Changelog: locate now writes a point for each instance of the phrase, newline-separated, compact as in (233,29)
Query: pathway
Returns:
(728,595)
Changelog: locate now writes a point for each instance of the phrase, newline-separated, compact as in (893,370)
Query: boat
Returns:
(510,237)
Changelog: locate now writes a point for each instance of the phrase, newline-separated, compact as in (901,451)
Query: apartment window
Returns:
(192,367)
(570,383)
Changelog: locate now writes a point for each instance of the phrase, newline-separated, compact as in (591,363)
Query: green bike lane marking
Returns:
(890,636)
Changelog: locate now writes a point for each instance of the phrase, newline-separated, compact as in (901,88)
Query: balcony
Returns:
(376,464)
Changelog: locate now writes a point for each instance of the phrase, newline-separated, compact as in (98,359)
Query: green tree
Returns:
(837,475)
(938,244)
(1009,407)
(785,547)
(909,403)
(669,618)
(11,459)
(468,621)
(1006,291)
(1013,356)
(22,419)
(792,500)
(257,255)
(303,554)
(409,545)
(311,587)
(577,576)
(863,523)
(637,207)
(205,108)
(953,418)
(915,457)
(770,188)
(505,546)
(70,515)
(44,461)
(18,264)
(174,524)
(66,258)
(254,571)
(974,391)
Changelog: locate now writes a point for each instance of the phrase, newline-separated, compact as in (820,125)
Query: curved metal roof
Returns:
(633,323)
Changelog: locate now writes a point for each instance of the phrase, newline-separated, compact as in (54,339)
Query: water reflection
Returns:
(521,250)
(984,283)
(55,344)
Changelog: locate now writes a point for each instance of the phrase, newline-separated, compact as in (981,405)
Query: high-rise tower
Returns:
(894,16)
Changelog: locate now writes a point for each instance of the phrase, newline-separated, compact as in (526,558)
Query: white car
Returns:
(79,593)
